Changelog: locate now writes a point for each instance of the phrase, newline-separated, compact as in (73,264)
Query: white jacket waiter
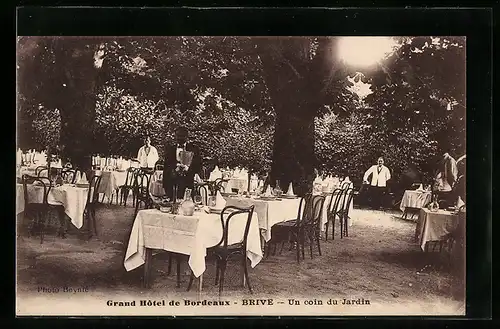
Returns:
(380,174)
(148,155)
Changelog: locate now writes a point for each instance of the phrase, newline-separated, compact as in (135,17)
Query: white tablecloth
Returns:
(237,183)
(434,226)
(188,235)
(110,181)
(73,199)
(415,199)
(269,212)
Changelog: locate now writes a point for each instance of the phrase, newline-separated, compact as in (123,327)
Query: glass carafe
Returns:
(187,205)
(277,190)
(434,206)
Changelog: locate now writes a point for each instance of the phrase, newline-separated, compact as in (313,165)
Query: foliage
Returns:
(414,88)
(247,101)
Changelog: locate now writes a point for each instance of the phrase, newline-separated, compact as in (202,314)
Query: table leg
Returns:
(200,286)
(147,267)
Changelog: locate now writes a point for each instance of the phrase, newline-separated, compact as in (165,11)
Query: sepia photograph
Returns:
(241,175)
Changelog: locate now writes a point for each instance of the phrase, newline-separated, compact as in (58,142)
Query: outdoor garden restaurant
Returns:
(198,224)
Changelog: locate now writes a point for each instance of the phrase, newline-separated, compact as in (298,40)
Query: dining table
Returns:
(71,197)
(188,235)
(414,200)
(111,180)
(434,225)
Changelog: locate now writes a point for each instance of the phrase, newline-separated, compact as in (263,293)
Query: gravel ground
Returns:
(377,262)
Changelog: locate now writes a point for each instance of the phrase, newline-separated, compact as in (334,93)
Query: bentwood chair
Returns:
(202,190)
(344,214)
(141,188)
(223,251)
(124,190)
(312,225)
(38,211)
(70,175)
(334,211)
(292,230)
(92,203)
(42,171)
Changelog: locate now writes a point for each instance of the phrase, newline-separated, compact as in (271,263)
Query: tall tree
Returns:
(302,75)
(61,73)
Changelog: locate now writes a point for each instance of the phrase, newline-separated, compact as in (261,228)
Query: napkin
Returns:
(460,202)
(215,174)
(84,179)
(197,178)
(78,179)
(420,188)
(290,190)
(220,203)
(268,191)
(19,156)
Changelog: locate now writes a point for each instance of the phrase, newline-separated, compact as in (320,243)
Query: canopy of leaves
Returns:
(223,90)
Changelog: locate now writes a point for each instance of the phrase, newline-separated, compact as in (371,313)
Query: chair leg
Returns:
(341,220)
(217,269)
(222,272)
(178,260)
(326,230)
(245,268)
(319,246)
(333,227)
(169,263)
(191,279)
(310,245)
(281,249)
(346,226)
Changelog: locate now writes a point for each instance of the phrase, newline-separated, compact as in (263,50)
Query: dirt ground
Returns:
(379,261)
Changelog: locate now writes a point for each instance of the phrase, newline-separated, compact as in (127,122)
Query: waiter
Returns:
(380,174)
(445,179)
(147,155)
(176,170)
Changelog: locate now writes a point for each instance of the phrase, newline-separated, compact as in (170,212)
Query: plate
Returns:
(289,196)
(215,210)
(268,198)
(165,209)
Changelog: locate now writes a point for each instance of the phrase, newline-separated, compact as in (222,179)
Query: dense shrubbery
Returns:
(218,88)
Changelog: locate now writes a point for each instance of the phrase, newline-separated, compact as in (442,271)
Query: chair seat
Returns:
(230,248)
(288,223)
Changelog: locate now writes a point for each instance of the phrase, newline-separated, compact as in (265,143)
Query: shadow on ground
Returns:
(378,261)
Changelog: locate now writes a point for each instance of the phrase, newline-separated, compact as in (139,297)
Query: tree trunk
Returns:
(77,102)
(295,85)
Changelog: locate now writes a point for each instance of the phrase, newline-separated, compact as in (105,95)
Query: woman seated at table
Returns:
(147,155)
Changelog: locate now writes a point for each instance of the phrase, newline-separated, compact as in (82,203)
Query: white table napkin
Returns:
(220,202)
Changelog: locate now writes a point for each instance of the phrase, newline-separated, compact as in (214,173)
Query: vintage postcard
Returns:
(232,175)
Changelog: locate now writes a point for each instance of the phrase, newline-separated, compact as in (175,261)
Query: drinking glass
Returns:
(211,201)
(197,200)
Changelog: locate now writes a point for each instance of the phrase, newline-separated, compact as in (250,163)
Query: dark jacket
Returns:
(171,163)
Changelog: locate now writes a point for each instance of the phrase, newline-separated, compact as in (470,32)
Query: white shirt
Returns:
(380,176)
(147,160)
(180,148)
